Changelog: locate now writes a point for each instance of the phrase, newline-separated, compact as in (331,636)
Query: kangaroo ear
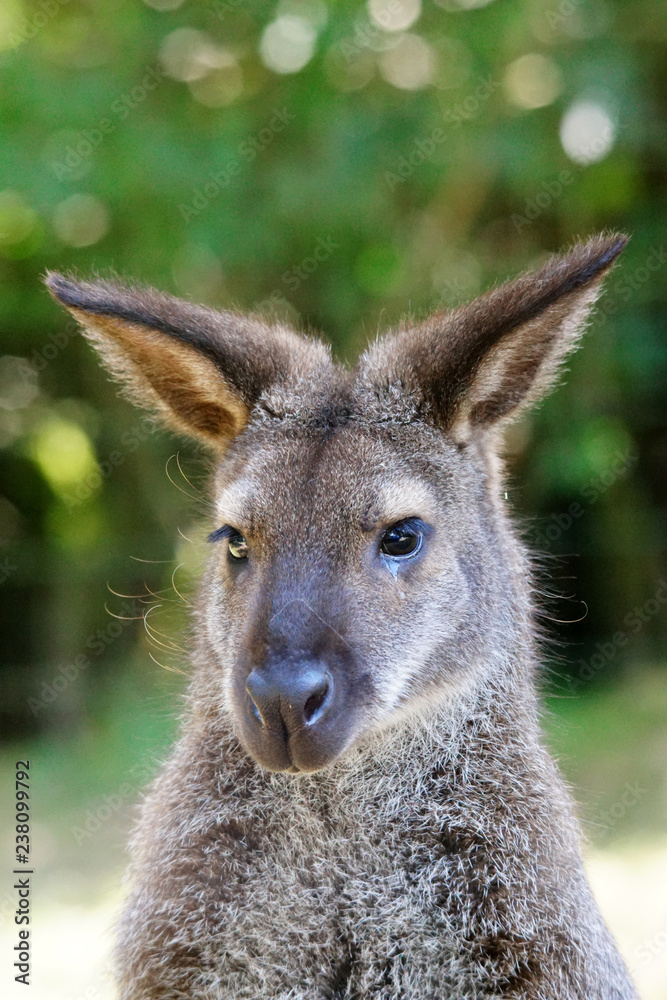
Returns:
(479,365)
(202,370)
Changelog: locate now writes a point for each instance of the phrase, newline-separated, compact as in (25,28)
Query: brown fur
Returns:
(428,847)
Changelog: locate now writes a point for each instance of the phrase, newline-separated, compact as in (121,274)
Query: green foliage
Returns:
(430,162)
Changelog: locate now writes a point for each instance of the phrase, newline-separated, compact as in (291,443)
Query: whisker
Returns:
(185,601)
(126,618)
(173,483)
(158,644)
(159,596)
(567,621)
(138,559)
(129,597)
(152,631)
(165,666)
(178,463)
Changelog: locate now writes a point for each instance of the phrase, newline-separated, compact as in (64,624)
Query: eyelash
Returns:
(226,531)
(410,524)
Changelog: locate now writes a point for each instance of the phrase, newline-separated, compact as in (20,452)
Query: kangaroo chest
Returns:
(363,897)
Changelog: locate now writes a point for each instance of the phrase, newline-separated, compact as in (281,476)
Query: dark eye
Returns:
(238,547)
(402,539)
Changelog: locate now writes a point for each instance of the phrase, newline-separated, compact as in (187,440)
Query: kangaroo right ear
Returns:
(479,366)
(202,370)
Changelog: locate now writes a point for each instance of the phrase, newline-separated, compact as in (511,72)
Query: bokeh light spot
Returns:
(587,132)
(410,65)
(189,55)
(220,86)
(81,221)
(394,15)
(18,383)
(17,218)
(63,452)
(533,81)
(198,273)
(288,44)
(163,4)
(12,22)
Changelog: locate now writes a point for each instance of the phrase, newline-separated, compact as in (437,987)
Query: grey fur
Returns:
(429,849)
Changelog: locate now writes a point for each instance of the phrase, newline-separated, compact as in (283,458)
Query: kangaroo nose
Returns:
(290,701)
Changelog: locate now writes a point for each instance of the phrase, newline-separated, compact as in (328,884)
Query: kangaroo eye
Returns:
(236,543)
(402,539)
(238,547)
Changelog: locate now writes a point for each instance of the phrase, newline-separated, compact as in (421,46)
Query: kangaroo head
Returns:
(360,562)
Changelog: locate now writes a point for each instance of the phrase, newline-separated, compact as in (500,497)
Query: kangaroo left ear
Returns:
(483,363)
(201,370)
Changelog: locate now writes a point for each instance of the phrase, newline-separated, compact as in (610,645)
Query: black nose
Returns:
(291,697)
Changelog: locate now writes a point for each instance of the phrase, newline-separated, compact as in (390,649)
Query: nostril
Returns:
(255,711)
(313,705)
(253,699)
(318,702)
(281,701)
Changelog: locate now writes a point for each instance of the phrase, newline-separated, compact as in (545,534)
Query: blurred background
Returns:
(337,164)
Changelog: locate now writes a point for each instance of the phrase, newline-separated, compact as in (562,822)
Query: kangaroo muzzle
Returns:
(296,713)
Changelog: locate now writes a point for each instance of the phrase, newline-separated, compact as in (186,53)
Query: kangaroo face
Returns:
(359,562)
(345,584)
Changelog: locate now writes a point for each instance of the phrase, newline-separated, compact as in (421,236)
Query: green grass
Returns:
(97,771)
(612,745)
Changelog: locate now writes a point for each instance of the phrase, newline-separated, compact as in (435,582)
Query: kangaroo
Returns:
(359,804)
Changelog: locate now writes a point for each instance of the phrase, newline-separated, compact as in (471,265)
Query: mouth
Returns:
(298,754)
